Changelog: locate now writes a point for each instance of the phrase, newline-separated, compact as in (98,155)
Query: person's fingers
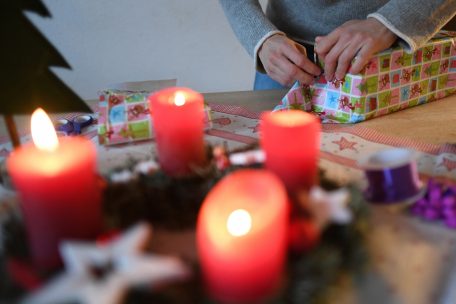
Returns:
(331,59)
(345,59)
(278,75)
(355,40)
(326,43)
(287,73)
(274,73)
(362,58)
(359,62)
(305,78)
(286,61)
(299,57)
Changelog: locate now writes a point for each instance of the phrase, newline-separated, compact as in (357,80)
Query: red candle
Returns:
(178,118)
(291,141)
(58,187)
(242,236)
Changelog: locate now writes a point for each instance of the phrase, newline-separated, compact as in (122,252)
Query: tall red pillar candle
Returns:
(178,119)
(60,194)
(291,142)
(242,236)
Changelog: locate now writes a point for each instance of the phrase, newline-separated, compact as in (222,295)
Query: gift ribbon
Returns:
(392,177)
(439,203)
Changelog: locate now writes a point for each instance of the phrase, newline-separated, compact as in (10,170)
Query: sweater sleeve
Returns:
(250,25)
(415,21)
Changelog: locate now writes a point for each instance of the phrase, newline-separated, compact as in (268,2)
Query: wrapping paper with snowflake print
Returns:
(123,116)
(393,80)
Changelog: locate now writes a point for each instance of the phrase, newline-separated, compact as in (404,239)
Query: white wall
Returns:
(111,41)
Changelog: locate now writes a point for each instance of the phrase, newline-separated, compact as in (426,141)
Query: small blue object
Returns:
(80,122)
(64,125)
(74,126)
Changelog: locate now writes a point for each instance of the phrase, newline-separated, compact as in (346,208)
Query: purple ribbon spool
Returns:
(392,177)
(80,122)
(73,126)
(64,125)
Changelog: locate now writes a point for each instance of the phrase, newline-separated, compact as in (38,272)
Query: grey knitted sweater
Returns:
(414,21)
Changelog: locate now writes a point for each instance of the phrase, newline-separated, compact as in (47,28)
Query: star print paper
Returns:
(344,144)
(255,128)
(449,164)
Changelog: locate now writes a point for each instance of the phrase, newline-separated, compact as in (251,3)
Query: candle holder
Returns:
(174,202)
(163,200)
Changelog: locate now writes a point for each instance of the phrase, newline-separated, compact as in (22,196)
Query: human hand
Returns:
(286,61)
(355,39)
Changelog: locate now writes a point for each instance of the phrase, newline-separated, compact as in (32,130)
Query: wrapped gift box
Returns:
(393,80)
(123,116)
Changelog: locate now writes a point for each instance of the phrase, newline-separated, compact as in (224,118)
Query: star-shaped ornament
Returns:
(101,274)
(325,208)
(247,158)
(330,206)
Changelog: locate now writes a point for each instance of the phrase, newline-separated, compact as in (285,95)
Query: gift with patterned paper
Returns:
(124,116)
(392,80)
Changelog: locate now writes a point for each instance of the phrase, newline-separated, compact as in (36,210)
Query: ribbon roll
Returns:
(392,177)
(64,125)
(80,122)
(74,126)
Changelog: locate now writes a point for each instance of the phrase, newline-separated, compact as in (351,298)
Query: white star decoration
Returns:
(330,206)
(247,158)
(127,264)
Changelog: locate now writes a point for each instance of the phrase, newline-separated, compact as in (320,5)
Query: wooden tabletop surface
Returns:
(432,123)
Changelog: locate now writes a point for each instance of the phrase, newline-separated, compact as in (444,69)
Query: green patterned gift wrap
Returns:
(123,116)
(393,80)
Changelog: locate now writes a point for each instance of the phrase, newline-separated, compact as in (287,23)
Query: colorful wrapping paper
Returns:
(124,117)
(393,80)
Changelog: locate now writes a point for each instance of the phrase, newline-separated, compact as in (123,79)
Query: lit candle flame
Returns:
(43,132)
(239,222)
(179,99)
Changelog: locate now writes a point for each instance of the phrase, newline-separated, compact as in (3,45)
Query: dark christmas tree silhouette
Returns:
(26,82)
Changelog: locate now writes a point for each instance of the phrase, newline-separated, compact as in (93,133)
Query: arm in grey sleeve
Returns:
(415,21)
(249,23)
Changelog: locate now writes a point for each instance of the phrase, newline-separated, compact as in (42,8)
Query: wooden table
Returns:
(432,123)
